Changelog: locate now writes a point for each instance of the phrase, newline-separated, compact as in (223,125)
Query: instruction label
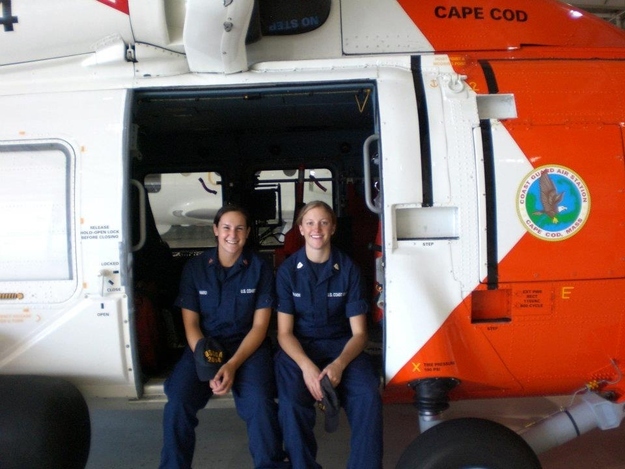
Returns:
(15,318)
(533,300)
(99,232)
(437,366)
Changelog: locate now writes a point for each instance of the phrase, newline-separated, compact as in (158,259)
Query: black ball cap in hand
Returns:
(330,405)
(209,357)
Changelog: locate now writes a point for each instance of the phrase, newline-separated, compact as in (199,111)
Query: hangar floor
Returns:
(129,436)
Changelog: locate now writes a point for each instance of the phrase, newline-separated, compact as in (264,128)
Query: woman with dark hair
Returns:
(226,295)
(322,332)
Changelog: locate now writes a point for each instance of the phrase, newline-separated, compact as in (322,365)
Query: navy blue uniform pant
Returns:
(360,397)
(254,397)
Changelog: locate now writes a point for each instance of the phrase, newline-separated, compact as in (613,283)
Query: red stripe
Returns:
(121,5)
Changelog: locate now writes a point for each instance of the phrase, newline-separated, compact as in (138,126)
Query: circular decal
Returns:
(553,202)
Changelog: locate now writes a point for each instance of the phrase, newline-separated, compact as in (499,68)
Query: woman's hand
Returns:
(223,380)
(312,379)
(334,372)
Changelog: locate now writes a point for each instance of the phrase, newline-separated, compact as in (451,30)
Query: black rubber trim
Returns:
(491,205)
(489,179)
(489,75)
(424,132)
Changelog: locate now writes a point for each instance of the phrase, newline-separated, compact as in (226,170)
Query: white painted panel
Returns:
(45,29)
(427,278)
(86,336)
(365,28)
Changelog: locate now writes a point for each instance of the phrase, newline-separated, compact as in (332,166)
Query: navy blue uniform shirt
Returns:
(226,298)
(322,304)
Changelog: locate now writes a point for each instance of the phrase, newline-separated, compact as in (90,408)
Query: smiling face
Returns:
(231,233)
(317,228)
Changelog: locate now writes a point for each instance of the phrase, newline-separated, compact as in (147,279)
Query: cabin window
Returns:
(279,193)
(35,202)
(184,206)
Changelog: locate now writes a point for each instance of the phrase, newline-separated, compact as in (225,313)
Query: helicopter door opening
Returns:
(270,150)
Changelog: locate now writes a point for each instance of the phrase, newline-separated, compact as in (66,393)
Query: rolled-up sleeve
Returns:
(187,293)
(356,303)
(265,291)
(284,290)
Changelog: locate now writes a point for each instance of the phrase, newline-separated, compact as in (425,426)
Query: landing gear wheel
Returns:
(469,443)
(44,424)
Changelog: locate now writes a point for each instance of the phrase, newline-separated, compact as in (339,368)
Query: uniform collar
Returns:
(242,262)
(333,266)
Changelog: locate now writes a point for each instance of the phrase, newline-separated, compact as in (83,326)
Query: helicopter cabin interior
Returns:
(270,150)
